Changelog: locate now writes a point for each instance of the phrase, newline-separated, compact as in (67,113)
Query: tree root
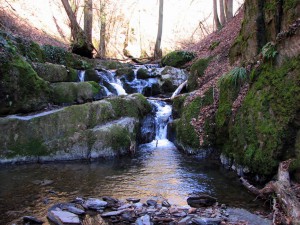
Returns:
(286,196)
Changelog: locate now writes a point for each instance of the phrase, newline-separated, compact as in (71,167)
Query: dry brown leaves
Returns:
(218,66)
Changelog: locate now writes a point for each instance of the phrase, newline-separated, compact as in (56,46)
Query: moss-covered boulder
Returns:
(177,58)
(142,74)
(21,89)
(126,72)
(185,135)
(92,75)
(86,131)
(197,70)
(265,128)
(30,50)
(58,55)
(54,72)
(73,92)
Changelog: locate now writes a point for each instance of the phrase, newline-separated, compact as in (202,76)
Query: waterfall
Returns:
(81,75)
(162,118)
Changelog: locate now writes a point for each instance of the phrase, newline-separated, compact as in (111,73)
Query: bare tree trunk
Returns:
(216,17)
(102,49)
(80,44)
(222,13)
(229,9)
(88,19)
(157,49)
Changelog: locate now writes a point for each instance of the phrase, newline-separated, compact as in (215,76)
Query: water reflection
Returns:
(154,171)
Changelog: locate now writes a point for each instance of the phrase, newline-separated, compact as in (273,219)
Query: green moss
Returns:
(197,71)
(214,45)
(95,87)
(178,106)
(134,106)
(177,58)
(259,138)
(119,138)
(186,135)
(30,50)
(21,90)
(142,74)
(72,74)
(34,147)
(91,75)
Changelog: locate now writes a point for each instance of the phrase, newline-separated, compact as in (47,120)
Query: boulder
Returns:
(177,58)
(171,78)
(200,201)
(54,72)
(104,128)
(73,92)
(142,74)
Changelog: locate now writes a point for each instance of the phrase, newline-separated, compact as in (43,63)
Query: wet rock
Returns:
(144,220)
(185,220)
(32,220)
(165,203)
(128,216)
(133,200)
(126,206)
(111,202)
(192,210)
(180,214)
(151,202)
(201,201)
(61,217)
(94,203)
(113,213)
(138,206)
(206,221)
(71,208)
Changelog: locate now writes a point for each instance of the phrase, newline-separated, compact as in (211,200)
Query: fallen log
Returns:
(287,198)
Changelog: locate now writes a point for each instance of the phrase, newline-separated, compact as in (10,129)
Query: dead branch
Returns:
(282,188)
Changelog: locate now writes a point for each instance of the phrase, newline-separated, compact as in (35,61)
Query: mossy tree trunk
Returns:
(80,45)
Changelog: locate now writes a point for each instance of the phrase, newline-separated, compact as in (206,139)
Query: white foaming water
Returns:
(81,75)
(120,90)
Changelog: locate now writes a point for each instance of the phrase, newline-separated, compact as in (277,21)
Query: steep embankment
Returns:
(252,112)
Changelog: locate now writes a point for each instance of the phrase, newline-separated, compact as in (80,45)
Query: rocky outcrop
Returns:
(99,129)
(177,58)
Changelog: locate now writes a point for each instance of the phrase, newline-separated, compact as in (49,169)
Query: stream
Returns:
(157,169)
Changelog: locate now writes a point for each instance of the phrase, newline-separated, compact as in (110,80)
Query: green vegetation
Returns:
(214,45)
(177,58)
(197,70)
(259,136)
(235,77)
(34,147)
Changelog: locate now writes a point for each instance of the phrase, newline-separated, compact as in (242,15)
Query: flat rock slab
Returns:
(113,213)
(59,217)
(200,201)
(94,203)
(206,221)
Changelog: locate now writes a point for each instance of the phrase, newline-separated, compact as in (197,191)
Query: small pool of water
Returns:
(157,169)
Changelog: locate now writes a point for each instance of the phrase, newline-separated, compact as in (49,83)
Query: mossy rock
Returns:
(197,70)
(70,92)
(127,72)
(21,89)
(185,135)
(58,55)
(83,131)
(30,50)
(264,129)
(92,75)
(177,58)
(142,74)
(52,72)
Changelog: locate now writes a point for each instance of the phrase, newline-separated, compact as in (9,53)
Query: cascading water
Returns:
(81,75)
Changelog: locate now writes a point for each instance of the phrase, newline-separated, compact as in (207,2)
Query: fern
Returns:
(269,50)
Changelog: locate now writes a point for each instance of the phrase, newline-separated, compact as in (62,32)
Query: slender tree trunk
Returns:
(229,9)
(88,19)
(80,44)
(102,49)
(157,50)
(222,13)
(216,17)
